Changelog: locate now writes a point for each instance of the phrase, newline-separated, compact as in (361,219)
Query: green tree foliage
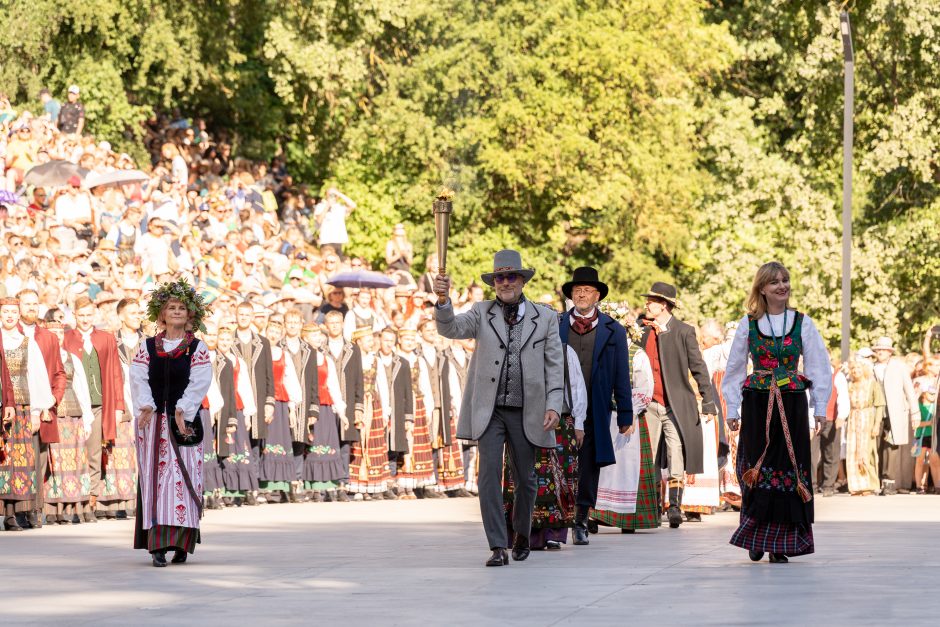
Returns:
(681,140)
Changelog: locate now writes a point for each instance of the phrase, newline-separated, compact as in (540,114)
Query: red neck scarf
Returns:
(583,324)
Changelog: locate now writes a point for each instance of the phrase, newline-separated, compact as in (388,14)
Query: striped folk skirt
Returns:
(450,470)
(417,469)
(369,472)
(167,515)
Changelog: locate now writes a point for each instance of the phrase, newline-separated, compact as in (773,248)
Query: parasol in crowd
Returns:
(10,199)
(361,279)
(53,173)
(117,177)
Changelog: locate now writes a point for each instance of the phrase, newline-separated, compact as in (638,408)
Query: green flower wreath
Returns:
(183,292)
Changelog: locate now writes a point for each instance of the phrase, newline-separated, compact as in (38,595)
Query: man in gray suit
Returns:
(513,393)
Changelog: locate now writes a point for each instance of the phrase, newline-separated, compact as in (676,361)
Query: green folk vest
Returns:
(768,355)
(92,368)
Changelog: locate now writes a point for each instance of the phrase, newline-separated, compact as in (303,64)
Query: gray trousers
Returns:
(826,447)
(506,428)
(661,423)
(93,449)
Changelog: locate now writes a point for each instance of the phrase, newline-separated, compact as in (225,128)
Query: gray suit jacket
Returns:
(541,359)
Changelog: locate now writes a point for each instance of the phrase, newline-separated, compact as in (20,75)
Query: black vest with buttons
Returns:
(509,393)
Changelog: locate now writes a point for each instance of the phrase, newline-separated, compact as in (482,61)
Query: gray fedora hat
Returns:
(507,262)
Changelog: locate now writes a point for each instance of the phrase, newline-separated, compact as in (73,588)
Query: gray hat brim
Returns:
(488,278)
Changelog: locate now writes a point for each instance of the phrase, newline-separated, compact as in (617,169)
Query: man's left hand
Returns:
(628,430)
(551,420)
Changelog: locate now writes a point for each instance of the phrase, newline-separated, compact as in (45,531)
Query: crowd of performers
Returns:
(238,414)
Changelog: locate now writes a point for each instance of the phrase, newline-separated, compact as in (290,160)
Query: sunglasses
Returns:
(509,277)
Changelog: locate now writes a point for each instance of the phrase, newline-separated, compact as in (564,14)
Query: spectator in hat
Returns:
(72,115)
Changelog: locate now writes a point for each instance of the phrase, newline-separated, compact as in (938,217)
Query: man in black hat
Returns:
(673,413)
(600,343)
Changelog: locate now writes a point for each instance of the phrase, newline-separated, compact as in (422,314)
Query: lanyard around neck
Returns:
(778,343)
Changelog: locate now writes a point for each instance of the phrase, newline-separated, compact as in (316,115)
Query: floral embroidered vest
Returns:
(765,357)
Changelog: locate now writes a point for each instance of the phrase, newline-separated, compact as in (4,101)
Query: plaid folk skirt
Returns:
(774,519)
(647,514)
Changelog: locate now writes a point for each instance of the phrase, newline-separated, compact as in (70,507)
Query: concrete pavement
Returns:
(421,563)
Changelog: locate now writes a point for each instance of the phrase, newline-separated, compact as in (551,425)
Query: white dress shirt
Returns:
(816,365)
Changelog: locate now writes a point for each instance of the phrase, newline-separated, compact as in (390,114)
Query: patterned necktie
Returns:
(510,312)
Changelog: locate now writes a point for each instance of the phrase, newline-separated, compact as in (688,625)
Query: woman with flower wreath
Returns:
(769,406)
(170,375)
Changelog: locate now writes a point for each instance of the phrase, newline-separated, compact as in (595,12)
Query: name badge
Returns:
(781,376)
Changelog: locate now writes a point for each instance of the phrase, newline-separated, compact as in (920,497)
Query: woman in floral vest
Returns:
(774,464)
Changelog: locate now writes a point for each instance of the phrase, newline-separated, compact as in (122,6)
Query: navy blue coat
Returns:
(610,382)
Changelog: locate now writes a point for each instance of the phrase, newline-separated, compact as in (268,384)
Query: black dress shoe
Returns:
(693,517)
(756,556)
(90,517)
(581,534)
(592,526)
(462,493)
(778,558)
(628,531)
(520,548)
(341,496)
(498,558)
(159,559)
(179,557)
(34,520)
(552,545)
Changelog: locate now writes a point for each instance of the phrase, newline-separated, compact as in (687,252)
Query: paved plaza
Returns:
(421,563)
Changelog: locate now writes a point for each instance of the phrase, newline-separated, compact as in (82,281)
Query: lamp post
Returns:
(847,134)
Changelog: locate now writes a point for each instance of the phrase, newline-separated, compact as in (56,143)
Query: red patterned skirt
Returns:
(417,469)
(120,477)
(69,480)
(18,481)
(450,472)
(368,469)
